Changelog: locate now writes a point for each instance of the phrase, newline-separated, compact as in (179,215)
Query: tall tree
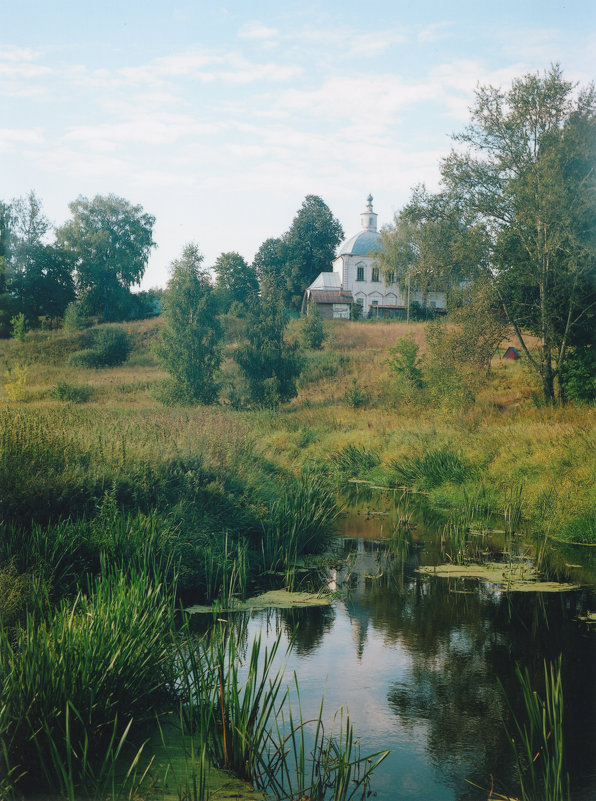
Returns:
(310,245)
(236,281)
(190,337)
(110,241)
(269,262)
(37,275)
(526,176)
(270,364)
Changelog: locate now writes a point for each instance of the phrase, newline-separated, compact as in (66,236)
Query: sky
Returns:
(220,117)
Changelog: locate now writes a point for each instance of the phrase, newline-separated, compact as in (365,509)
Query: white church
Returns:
(357,279)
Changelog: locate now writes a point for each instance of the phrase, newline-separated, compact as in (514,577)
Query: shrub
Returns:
(356,397)
(73,320)
(15,380)
(432,469)
(18,325)
(405,362)
(112,347)
(75,393)
(312,334)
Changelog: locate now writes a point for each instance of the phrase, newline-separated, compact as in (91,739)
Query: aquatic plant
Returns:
(74,678)
(539,744)
(353,459)
(432,468)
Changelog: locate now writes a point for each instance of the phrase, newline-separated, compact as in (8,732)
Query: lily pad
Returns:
(515,577)
(278,599)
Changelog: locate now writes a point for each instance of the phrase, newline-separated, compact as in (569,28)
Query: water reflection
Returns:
(418,661)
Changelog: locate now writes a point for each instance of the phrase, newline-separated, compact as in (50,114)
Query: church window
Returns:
(375,274)
(360,273)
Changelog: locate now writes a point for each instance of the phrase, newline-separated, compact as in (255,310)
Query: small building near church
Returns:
(331,300)
(511,353)
(357,278)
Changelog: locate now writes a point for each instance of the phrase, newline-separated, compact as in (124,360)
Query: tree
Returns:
(37,275)
(310,245)
(236,281)
(189,348)
(312,333)
(526,178)
(431,245)
(270,364)
(109,240)
(270,261)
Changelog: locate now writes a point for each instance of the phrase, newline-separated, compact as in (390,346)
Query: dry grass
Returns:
(516,442)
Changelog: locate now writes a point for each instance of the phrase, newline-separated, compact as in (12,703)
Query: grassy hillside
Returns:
(347,398)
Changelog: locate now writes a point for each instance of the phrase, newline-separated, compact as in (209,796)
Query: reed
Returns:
(538,740)
(243,719)
(432,468)
(74,679)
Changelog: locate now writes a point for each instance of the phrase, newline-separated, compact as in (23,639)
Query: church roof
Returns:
(361,244)
(366,240)
(326,280)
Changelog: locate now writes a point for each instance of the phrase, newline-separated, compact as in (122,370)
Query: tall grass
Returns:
(243,720)
(76,678)
(432,468)
(537,738)
(300,522)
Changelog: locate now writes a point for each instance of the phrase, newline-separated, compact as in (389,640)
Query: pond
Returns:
(423,663)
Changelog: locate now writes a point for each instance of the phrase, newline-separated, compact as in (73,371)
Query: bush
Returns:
(112,347)
(356,397)
(432,469)
(312,334)
(75,393)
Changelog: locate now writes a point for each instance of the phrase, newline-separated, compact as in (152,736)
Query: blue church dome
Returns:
(361,244)
(366,240)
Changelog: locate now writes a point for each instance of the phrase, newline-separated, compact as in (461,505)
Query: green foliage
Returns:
(432,468)
(248,725)
(538,738)
(109,241)
(356,311)
(19,326)
(190,337)
(111,348)
(73,682)
(73,320)
(449,383)
(270,365)
(310,245)
(526,169)
(236,283)
(73,393)
(301,521)
(312,333)
(578,375)
(405,362)
(356,397)
(353,459)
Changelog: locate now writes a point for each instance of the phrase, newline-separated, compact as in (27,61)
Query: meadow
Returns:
(117,509)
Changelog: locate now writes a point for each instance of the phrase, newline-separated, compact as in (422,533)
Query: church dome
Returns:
(360,244)
(366,240)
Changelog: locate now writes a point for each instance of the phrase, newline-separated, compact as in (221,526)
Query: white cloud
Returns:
(256,30)
(11,138)
(434,32)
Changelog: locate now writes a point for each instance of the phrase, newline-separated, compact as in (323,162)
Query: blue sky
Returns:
(218,118)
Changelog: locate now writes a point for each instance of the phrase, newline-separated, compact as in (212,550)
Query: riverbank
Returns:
(107,497)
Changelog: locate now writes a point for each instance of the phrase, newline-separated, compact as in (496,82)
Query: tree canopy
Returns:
(307,248)
(236,281)
(190,336)
(109,240)
(517,210)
